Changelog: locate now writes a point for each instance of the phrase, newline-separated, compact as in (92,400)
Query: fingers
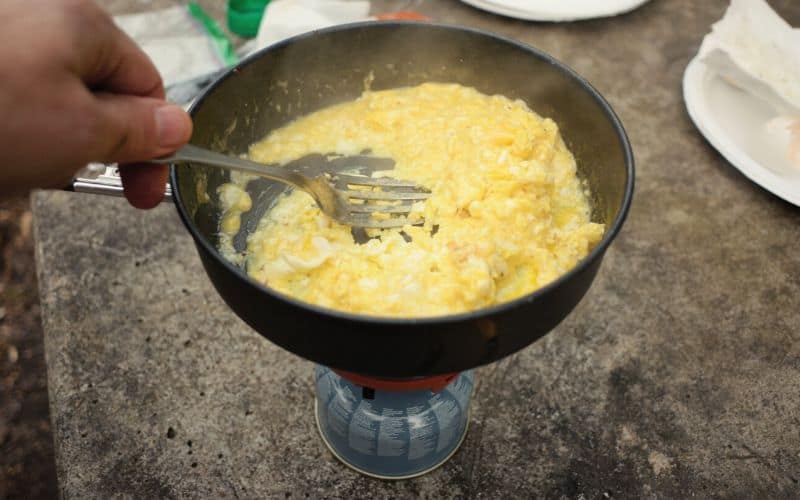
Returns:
(129,69)
(144,184)
(131,129)
(134,128)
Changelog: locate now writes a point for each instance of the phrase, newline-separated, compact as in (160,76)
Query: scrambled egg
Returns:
(507,215)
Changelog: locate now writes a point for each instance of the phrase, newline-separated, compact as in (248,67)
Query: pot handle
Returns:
(100,178)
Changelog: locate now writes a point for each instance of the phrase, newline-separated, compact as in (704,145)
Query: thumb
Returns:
(138,128)
(135,129)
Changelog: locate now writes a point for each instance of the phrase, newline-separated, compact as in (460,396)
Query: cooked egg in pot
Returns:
(508,213)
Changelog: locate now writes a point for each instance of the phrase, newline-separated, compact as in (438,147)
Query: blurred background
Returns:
(27,466)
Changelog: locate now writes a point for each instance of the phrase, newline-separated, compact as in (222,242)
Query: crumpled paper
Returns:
(178,46)
(754,49)
(287,18)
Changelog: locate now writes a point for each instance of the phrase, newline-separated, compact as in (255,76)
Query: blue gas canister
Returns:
(391,431)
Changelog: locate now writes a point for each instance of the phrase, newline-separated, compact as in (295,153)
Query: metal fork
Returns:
(357,200)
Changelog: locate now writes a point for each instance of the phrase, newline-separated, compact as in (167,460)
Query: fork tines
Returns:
(356,187)
(343,180)
(374,208)
(381,202)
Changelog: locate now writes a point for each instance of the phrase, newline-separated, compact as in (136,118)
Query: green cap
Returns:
(244,16)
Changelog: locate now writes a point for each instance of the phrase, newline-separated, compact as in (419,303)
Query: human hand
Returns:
(75,89)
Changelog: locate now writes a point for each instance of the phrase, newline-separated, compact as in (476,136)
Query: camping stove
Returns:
(392,429)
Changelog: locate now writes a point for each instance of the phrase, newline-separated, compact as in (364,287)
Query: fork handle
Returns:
(194,154)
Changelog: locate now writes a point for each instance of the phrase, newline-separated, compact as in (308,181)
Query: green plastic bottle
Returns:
(244,16)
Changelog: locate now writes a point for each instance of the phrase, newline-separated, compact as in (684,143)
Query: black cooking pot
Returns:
(309,72)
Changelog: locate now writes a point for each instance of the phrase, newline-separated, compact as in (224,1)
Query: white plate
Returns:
(556,10)
(734,123)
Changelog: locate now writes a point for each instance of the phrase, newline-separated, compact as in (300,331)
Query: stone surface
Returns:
(678,375)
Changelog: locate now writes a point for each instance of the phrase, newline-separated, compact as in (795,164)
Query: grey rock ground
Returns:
(678,375)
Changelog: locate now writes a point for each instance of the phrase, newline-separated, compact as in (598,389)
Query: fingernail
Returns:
(173,126)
